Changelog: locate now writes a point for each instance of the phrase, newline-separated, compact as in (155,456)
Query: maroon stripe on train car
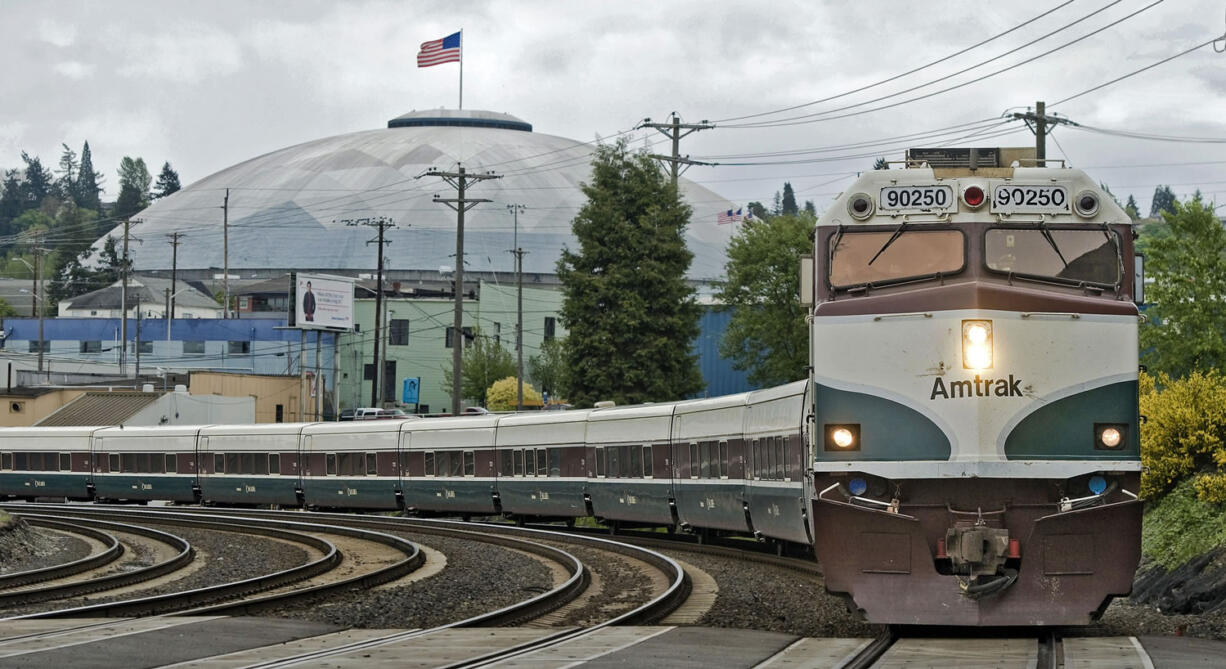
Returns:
(974,295)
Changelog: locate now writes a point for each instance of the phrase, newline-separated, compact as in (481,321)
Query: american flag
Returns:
(729,216)
(436,52)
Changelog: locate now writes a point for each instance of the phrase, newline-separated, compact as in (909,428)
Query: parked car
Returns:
(370,413)
(346,414)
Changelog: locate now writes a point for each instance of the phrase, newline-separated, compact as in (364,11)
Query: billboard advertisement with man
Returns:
(322,302)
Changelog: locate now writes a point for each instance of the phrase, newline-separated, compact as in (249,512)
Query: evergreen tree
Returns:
(1131,208)
(631,316)
(810,209)
(66,184)
(89,182)
(134,182)
(37,185)
(1164,201)
(789,200)
(758,210)
(10,201)
(881,164)
(767,335)
(1186,328)
(777,207)
(168,182)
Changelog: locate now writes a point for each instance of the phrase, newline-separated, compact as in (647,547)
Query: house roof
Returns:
(99,408)
(145,289)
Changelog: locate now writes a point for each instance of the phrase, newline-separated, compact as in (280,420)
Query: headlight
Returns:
(977,344)
(843,437)
(1110,436)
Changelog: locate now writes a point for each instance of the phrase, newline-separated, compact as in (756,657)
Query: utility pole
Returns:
(123,299)
(519,309)
(673,131)
(174,283)
(39,299)
(460,204)
(167,291)
(225,250)
(136,376)
(382,223)
(1040,123)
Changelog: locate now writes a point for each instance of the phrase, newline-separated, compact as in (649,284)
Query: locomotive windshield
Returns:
(861,257)
(1076,256)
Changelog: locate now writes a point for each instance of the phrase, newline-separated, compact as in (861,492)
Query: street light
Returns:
(170,316)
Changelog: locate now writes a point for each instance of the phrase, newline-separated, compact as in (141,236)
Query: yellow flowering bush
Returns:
(1185,434)
(501,395)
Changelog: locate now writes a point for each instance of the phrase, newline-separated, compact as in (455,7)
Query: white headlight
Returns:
(843,437)
(977,350)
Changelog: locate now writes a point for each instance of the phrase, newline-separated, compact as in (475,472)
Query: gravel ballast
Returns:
(479,578)
(24,547)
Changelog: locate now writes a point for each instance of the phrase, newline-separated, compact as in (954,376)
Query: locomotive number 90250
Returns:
(1022,197)
(918,198)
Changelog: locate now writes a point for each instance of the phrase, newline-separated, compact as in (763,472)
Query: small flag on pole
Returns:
(439,51)
(729,216)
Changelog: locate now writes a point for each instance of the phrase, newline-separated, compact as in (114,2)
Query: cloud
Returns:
(183,52)
(74,69)
(11,135)
(57,34)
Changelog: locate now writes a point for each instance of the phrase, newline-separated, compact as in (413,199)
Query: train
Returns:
(964,450)
(976,454)
(731,464)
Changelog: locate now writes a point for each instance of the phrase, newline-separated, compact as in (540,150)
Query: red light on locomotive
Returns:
(973,196)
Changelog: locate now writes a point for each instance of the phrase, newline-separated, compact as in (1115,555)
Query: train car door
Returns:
(403,444)
(676,457)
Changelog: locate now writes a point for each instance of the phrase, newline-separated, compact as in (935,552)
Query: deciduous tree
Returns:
(766,335)
(1186,328)
(548,369)
(485,361)
(631,316)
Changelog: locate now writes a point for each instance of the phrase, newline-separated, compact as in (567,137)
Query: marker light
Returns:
(1109,437)
(1098,484)
(1086,204)
(843,437)
(860,206)
(973,196)
(977,344)
(857,486)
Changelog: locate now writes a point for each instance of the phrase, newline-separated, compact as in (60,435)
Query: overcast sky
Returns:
(205,85)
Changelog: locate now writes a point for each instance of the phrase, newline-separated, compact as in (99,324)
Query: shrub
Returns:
(501,395)
(1185,434)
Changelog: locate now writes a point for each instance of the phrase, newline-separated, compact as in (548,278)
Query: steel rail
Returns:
(111,581)
(112,550)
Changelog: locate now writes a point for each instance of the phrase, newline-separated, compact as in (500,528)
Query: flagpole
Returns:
(461,68)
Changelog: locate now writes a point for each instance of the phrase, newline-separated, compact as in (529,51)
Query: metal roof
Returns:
(99,408)
(289,208)
(145,289)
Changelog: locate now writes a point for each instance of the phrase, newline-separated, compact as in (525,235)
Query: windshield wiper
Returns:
(1047,235)
(897,232)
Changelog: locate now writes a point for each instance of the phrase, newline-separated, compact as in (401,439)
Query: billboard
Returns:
(321,302)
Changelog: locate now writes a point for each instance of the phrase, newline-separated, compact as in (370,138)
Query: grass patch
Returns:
(1179,527)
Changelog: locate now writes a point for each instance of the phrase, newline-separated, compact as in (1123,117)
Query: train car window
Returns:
(429,463)
(723,459)
(6,461)
(457,465)
(863,257)
(261,463)
(779,458)
(219,463)
(127,463)
(787,461)
(542,462)
(1076,256)
(234,463)
(65,462)
(600,464)
(704,453)
(555,462)
(470,465)
(507,459)
(372,464)
(246,463)
(636,462)
(694,461)
(752,472)
(330,464)
(519,462)
(615,462)
(274,463)
(172,463)
(22,462)
(647,463)
(529,461)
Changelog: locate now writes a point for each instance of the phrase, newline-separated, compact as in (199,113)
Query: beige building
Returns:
(23,409)
(277,398)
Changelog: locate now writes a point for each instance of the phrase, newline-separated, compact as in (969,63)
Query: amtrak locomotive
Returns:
(974,348)
(965,451)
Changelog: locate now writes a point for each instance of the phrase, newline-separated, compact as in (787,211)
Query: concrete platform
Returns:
(225,643)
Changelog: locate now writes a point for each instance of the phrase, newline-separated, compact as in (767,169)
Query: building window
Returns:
(244,303)
(551,325)
(398,332)
(239,347)
(497,333)
(142,347)
(34,346)
(193,348)
(91,347)
(368,372)
(468,337)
